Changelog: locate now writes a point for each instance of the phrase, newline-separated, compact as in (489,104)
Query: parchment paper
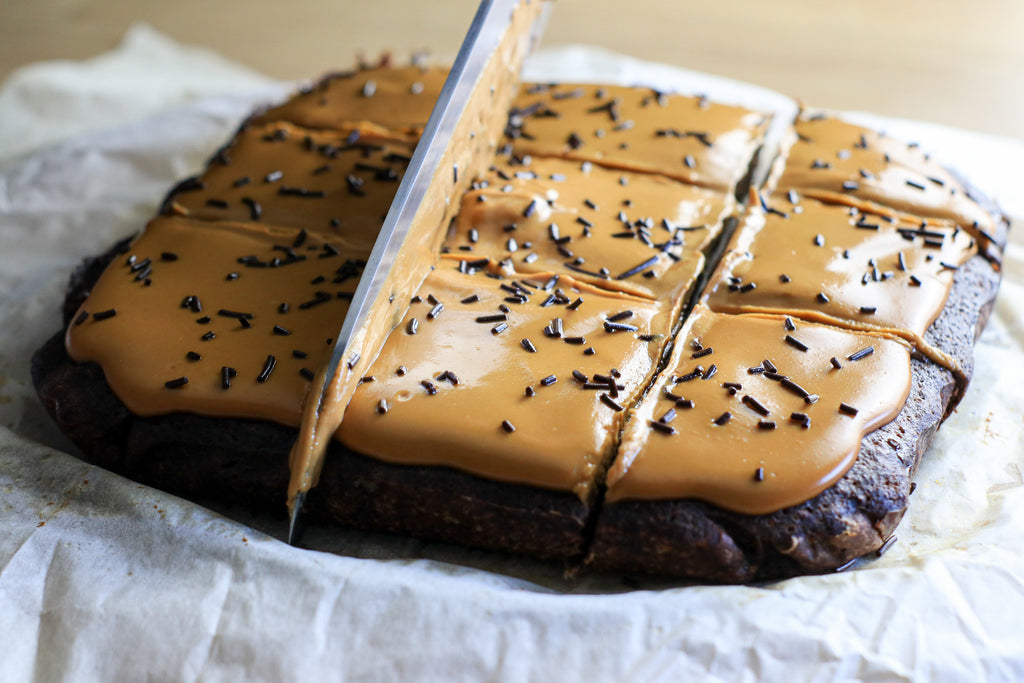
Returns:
(103,579)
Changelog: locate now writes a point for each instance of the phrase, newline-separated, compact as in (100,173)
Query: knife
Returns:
(460,138)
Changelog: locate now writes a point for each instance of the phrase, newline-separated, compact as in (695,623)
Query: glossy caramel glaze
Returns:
(761,457)
(686,138)
(333,184)
(480,374)
(387,101)
(839,162)
(814,260)
(156,326)
(637,233)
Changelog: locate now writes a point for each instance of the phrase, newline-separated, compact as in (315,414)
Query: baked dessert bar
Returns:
(538,396)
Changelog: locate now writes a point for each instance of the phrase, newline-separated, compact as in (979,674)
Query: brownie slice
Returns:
(856,515)
(687,138)
(389,101)
(638,233)
(839,162)
(336,184)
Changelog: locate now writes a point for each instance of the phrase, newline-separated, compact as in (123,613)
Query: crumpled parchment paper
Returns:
(103,579)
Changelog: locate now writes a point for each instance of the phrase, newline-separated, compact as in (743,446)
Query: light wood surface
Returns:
(959,62)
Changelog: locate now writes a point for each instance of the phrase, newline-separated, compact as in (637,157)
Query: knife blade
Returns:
(461,136)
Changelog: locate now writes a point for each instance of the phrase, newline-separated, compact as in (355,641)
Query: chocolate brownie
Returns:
(428,449)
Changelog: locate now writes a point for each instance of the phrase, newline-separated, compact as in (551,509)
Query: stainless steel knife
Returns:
(459,141)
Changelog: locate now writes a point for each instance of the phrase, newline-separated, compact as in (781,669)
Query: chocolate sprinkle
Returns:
(663,428)
(835,363)
(619,327)
(176,383)
(549,380)
(795,343)
(848,409)
(723,418)
(193,356)
(508,426)
(103,315)
(528,345)
(638,268)
(866,351)
(610,402)
(755,405)
(255,210)
(803,418)
(795,388)
(268,367)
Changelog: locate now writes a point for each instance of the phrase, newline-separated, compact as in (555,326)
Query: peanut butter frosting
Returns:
(637,233)
(839,162)
(335,184)
(758,413)
(226,319)
(687,138)
(828,262)
(387,101)
(520,380)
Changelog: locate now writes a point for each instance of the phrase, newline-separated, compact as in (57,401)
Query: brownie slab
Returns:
(642,234)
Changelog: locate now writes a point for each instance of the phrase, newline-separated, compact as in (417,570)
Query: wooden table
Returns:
(957,62)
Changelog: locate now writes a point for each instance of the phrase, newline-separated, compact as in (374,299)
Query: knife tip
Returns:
(295,524)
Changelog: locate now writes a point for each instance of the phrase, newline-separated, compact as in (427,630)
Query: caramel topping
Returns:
(686,138)
(560,375)
(329,183)
(643,237)
(843,163)
(815,260)
(773,426)
(239,312)
(384,100)
(529,376)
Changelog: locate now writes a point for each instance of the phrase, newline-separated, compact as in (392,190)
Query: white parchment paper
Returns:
(103,579)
